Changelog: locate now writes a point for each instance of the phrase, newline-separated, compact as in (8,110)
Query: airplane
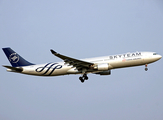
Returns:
(98,65)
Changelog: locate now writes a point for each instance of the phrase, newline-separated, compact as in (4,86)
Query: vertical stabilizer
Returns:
(15,59)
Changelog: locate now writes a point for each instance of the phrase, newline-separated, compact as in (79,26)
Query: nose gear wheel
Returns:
(146,67)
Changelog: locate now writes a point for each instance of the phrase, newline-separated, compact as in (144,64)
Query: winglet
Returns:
(53,52)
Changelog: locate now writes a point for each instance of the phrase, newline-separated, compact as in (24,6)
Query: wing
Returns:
(79,64)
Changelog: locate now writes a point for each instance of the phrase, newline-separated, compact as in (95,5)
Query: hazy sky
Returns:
(81,29)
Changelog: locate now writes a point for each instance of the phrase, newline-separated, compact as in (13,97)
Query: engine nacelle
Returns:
(102,67)
(104,72)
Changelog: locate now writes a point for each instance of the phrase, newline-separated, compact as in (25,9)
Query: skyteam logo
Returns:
(14,58)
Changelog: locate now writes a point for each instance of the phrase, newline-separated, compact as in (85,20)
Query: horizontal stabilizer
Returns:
(14,68)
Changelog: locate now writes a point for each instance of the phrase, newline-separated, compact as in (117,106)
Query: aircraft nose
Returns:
(159,56)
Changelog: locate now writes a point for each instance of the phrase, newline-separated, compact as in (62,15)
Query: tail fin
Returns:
(15,59)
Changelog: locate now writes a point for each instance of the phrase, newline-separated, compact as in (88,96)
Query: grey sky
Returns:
(81,29)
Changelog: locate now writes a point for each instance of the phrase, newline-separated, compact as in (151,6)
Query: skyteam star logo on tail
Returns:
(14,58)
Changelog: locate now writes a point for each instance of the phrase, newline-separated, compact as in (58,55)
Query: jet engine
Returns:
(102,67)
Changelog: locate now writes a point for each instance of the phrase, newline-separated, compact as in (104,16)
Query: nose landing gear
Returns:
(83,78)
(146,67)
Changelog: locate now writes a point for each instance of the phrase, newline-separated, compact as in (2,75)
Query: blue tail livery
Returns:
(15,59)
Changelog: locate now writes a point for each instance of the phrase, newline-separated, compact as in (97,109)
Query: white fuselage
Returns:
(114,62)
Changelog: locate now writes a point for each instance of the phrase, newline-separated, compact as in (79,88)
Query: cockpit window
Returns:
(154,53)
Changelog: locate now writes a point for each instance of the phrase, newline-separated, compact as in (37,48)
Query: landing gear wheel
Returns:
(86,78)
(146,69)
(81,79)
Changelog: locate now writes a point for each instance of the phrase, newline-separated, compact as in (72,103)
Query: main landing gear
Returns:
(83,78)
(146,67)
